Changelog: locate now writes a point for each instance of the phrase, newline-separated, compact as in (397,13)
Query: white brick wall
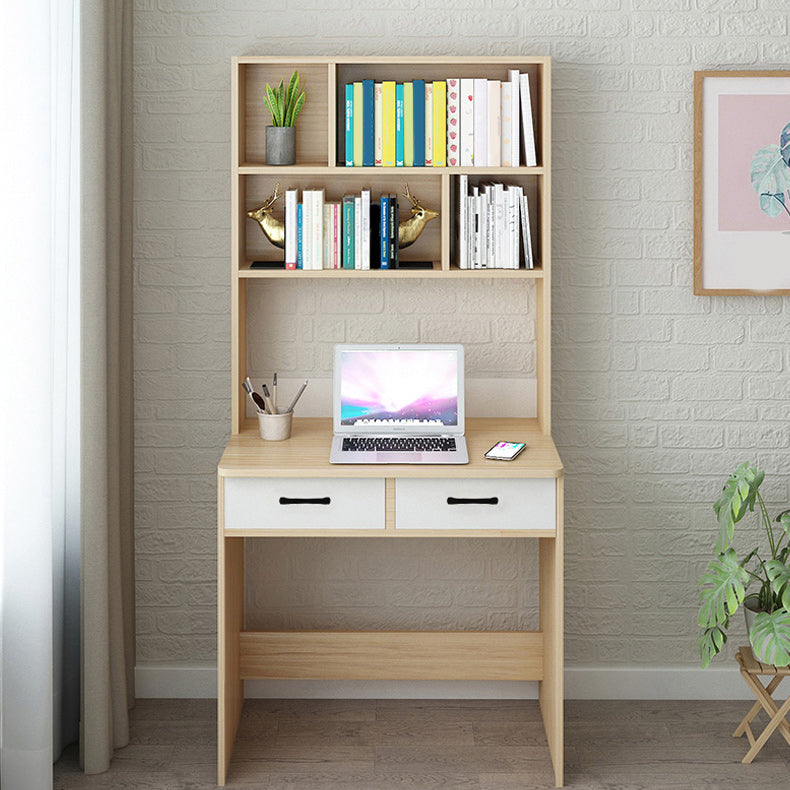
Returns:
(657,393)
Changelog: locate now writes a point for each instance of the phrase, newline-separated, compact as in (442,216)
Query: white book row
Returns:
(493,227)
(490,111)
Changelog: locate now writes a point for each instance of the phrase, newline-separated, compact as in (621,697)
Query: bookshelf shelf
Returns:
(320,136)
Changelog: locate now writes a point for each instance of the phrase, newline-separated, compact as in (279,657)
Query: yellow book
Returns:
(440,124)
(357,124)
(388,123)
(408,124)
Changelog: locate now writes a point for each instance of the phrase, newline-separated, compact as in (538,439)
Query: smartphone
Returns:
(505,451)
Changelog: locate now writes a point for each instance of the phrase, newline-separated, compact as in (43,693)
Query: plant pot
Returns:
(280,145)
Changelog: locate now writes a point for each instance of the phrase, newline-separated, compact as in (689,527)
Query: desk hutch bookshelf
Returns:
(377,501)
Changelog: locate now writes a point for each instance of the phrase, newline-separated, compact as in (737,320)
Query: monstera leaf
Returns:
(722,589)
(737,497)
(770,637)
(784,144)
(770,178)
(779,574)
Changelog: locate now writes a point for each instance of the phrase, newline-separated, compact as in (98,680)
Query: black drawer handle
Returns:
(319,500)
(454,500)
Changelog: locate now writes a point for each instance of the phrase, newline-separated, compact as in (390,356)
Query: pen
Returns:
(274,393)
(296,397)
(268,398)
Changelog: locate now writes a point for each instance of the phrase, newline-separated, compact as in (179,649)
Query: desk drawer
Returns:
(520,503)
(303,503)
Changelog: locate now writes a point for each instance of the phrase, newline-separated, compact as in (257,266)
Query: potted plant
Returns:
(724,584)
(285,106)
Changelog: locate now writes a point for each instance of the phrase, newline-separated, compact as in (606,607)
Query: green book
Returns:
(357,124)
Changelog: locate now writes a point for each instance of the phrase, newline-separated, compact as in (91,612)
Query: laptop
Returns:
(398,404)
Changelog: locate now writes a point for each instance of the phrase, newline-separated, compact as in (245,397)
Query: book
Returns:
(291,229)
(507,125)
(394,212)
(494,123)
(453,122)
(527,130)
(418,132)
(307,233)
(467,122)
(357,232)
(327,235)
(358,124)
(481,123)
(349,125)
(463,222)
(439,123)
(316,244)
(348,232)
(374,248)
(378,142)
(428,124)
(299,237)
(365,230)
(408,124)
(337,236)
(515,140)
(526,233)
(368,123)
(399,125)
(388,123)
(384,229)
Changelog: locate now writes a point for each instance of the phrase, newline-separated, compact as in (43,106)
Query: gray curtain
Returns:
(107,550)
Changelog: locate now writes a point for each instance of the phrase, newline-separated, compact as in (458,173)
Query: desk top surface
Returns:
(306,454)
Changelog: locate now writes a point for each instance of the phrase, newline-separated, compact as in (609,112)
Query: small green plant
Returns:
(724,584)
(285,105)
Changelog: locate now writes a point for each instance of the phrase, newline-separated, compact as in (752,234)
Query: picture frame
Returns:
(741,182)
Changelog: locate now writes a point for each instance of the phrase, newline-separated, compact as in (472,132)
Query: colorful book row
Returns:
(493,227)
(463,122)
(354,233)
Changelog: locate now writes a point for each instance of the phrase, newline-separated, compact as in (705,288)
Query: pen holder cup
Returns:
(275,427)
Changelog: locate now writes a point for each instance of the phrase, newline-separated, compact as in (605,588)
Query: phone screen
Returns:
(505,451)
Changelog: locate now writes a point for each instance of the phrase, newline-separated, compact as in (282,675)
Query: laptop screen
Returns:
(410,389)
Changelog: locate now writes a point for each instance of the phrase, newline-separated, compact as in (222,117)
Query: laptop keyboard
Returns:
(399,444)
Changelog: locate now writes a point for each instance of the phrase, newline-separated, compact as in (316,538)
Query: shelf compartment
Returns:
(257,188)
(312,126)
(432,69)
(392,655)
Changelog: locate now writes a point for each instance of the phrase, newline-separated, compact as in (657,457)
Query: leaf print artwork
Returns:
(770,175)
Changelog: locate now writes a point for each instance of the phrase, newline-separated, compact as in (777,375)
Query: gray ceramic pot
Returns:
(280,145)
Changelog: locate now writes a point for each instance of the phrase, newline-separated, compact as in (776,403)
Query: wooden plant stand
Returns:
(751,668)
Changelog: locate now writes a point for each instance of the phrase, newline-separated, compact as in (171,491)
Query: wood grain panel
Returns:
(396,655)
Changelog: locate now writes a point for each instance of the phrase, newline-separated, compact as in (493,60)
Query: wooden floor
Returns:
(411,745)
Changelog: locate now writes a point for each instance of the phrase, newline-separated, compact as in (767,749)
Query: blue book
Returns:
(299,258)
(368,124)
(348,232)
(419,123)
(398,125)
(385,224)
(350,125)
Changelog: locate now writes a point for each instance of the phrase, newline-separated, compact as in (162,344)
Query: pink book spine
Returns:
(453,123)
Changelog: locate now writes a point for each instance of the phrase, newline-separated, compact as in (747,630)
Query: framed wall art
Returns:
(742,182)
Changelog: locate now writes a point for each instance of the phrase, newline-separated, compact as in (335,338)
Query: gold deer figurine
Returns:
(273,229)
(408,230)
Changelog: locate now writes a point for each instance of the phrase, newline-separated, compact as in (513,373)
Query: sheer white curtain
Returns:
(39,411)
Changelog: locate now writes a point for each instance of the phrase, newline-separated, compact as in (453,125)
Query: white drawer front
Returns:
(278,503)
(524,503)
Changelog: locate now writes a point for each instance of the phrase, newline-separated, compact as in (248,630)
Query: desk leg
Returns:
(230,622)
(552,692)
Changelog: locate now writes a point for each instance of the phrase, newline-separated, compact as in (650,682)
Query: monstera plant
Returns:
(770,175)
(724,585)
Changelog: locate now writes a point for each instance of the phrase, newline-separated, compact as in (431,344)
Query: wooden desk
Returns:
(257,486)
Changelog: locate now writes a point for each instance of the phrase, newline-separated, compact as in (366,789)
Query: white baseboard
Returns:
(199,681)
